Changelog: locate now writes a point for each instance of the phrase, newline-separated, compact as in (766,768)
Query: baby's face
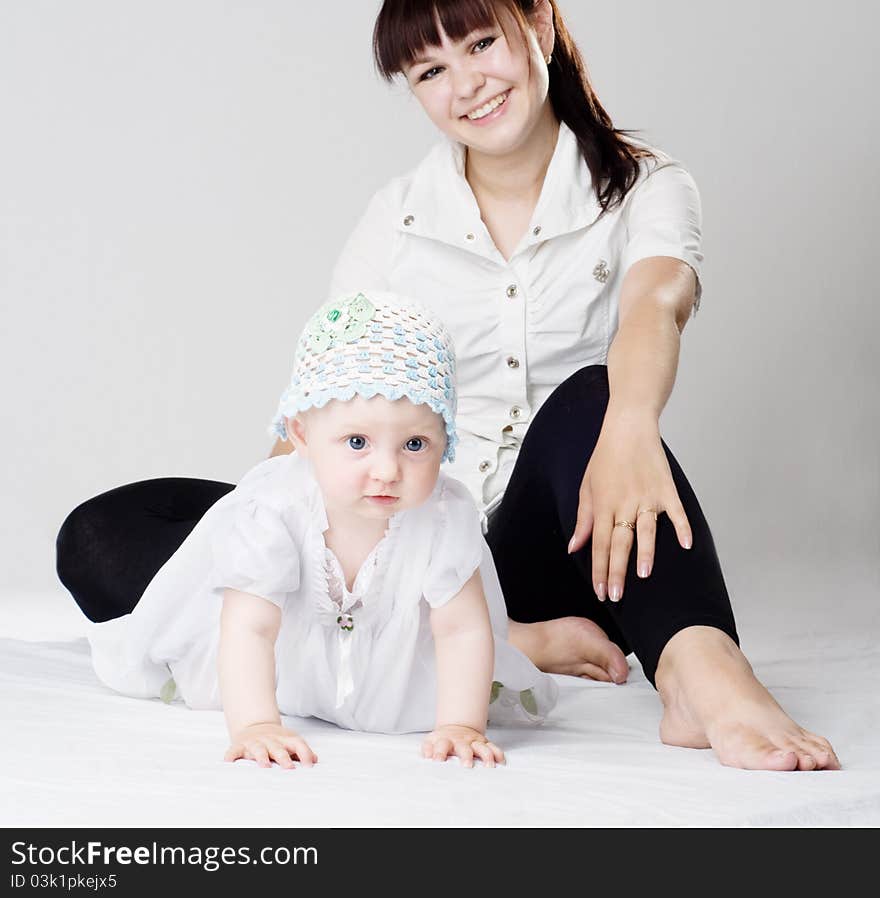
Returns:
(372,457)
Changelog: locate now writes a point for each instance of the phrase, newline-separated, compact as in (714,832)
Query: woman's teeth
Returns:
(486,108)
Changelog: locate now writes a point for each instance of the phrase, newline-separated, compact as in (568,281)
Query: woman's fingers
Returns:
(646,536)
(600,556)
(676,513)
(584,526)
(622,539)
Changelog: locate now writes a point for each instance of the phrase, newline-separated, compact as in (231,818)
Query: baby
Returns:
(349,580)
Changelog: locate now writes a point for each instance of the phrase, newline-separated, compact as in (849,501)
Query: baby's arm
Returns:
(246,666)
(465,652)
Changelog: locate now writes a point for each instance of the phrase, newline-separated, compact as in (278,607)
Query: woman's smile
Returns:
(489,111)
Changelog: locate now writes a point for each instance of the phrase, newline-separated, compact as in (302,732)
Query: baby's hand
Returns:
(262,741)
(464,742)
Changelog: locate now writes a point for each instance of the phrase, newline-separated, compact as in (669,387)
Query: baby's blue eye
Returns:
(415,444)
(430,74)
(357,442)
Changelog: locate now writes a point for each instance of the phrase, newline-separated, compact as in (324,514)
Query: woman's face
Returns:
(487,91)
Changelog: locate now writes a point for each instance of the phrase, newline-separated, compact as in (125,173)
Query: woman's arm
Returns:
(249,626)
(628,471)
(655,303)
(465,653)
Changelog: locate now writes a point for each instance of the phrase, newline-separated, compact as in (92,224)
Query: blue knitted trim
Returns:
(290,405)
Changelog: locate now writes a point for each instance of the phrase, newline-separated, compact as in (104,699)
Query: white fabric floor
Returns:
(76,754)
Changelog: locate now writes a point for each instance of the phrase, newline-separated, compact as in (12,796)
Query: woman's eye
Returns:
(431,73)
(415,444)
(484,44)
(357,442)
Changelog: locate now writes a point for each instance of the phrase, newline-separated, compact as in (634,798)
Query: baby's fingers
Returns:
(441,749)
(486,752)
(299,748)
(257,751)
(234,752)
(465,753)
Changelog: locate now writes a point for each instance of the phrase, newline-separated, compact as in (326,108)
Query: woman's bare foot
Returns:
(571,645)
(712,699)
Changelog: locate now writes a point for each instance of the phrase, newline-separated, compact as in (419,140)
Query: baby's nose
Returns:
(386,467)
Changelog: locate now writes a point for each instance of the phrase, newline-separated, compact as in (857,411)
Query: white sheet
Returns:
(75,754)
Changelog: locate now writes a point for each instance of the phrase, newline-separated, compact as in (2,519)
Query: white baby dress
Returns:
(362,659)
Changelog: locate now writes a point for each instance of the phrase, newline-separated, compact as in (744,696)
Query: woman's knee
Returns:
(75,560)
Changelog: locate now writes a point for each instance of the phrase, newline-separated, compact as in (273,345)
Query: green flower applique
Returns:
(526,697)
(168,691)
(339,322)
(527,700)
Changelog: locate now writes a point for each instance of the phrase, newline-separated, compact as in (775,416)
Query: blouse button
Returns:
(515,412)
(485,465)
(536,230)
(469,237)
(408,220)
(512,291)
(512,362)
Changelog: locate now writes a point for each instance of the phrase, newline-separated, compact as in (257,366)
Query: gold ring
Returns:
(653,511)
(625,524)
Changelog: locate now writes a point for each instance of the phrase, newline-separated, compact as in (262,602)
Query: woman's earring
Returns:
(549,58)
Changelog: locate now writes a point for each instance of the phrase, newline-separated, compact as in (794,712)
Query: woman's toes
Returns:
(592,672)
(749,750)
(823,753)
(614,662)
(782,759)
(806,761)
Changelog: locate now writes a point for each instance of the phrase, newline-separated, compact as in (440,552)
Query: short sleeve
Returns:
(458,544)
(365,261)
(664,218)
(255,552)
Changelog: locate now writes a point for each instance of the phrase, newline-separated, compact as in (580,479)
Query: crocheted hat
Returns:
(372,344)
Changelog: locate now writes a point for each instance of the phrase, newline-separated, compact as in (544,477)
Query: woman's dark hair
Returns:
(405,27)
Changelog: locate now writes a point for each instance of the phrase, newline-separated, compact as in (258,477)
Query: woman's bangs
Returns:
(406,27)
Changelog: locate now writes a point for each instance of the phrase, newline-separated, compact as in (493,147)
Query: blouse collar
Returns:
(440,204)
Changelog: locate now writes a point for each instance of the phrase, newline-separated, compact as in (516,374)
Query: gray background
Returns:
(177,178)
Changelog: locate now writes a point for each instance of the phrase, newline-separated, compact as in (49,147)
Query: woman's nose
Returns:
(468,80)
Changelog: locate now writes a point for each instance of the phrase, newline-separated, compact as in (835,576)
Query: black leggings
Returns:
(109,548)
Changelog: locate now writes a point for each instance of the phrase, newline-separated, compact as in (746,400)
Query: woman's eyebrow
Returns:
(421,60)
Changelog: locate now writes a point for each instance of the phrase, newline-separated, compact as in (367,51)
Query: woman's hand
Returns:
(628,473)
(261,741)
(464,742)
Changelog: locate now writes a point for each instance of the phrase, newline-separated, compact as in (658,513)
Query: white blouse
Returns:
(520,326)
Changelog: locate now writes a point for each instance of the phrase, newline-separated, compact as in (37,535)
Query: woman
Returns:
(565,261)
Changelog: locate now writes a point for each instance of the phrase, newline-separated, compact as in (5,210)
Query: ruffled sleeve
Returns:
(255,551)
(457,548)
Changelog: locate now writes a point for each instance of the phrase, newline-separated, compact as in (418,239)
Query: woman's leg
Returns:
(109,548)
(529,537)
(678,620)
